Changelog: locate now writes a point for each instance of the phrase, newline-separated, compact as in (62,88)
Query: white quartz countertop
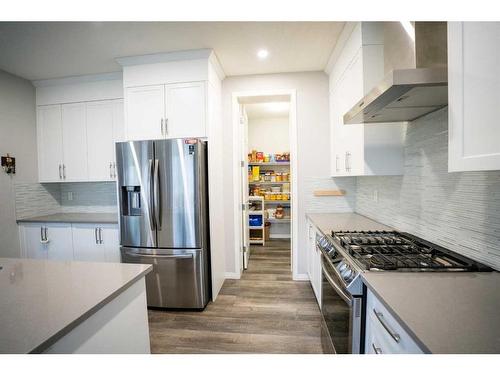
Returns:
(344,221)
(67,217)
(41,301)
(454,312)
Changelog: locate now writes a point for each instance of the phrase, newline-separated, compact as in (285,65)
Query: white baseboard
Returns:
(278,235)
(301,277)
(232,275)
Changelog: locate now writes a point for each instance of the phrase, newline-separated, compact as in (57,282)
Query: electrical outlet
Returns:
(375,196)
(70,195)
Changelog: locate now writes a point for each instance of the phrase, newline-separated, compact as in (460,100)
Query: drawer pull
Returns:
(389,330)
(376,350)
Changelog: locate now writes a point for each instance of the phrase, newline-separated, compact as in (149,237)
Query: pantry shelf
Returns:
(271,163)
(268,182)
(279,221)
(278,202)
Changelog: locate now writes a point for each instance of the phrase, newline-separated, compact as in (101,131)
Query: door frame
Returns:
(237,182)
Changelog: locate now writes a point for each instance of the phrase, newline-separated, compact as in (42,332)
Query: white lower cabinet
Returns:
(314,262)
(80,242)
(384,335)
(96,243)
(47,241)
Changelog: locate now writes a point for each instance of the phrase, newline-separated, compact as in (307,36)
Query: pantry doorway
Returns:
(265,180)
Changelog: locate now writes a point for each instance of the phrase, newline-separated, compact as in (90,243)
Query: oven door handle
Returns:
(340,292)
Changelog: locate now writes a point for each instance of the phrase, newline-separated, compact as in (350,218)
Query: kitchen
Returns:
(122,189)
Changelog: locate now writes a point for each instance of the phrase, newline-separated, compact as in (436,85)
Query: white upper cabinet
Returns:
(75,165)
(361,150)
(78,122)
(473,86)
(145,112)
(168,95)
(104,128)
(185,110)
(49,137)
(166,111)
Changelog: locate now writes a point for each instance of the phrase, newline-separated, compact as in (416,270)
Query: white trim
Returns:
(301,277)
(339,46)
(233,275)
(237,140)
(155,58)
(280,235)
(213,59)
(73,80)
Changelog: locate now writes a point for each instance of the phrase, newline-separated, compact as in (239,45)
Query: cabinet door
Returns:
(60,242)
(33,247)
(100,144)
(145,112)
(111,242)
(336,127)
(186,110)
(87,245)
(473,82)
(74,133)
(118,122)
(353,135)
(49,136)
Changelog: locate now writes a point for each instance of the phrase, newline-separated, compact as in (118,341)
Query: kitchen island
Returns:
(72,307)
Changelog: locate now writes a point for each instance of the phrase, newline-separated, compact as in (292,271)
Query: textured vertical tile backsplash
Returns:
(89,197)
(460,211)
(327,204)
(34,199)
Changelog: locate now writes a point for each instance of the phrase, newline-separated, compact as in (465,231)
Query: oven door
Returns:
(341,329)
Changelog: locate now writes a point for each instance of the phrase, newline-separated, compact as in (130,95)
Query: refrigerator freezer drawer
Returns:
(179,278)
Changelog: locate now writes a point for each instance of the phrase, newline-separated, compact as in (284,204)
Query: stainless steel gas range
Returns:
(346,254)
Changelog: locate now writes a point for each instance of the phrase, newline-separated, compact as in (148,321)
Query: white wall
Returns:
(269,134)
(313,143)
(18,138)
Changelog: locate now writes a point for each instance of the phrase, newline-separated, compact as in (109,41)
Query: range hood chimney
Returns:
(416,80)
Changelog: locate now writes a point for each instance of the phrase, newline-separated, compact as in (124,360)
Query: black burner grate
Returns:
(386,250)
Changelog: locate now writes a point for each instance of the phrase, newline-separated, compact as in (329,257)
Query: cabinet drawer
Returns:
(384,332)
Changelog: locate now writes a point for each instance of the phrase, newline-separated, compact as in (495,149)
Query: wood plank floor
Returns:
(263,312)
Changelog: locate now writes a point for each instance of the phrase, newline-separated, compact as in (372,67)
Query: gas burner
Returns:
(391,250)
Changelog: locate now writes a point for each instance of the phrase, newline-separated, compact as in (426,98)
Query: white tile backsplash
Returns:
(460,211)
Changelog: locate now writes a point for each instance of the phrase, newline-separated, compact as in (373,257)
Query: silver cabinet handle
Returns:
(43,234)
(376,349)
(389,330)
(110,170)
(60,172)
(114,169)
(166,126)
(100,236)
(95,234)
(64,171)
(347,161)
(337,163)
(161,127)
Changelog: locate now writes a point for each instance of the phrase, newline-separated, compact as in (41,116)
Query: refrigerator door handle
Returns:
(151,202)
(156,195)
(139,255)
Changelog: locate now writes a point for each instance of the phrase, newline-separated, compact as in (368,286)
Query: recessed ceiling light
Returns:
(262,54)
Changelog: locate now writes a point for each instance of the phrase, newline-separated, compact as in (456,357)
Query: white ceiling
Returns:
(267,110)
(42,50)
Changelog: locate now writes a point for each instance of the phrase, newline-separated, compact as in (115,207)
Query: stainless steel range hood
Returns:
(416,82)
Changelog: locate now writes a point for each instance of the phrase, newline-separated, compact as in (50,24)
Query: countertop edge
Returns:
(62,332)
(396,316)
(74,220)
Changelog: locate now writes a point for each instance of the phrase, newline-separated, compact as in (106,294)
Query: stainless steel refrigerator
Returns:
(164,218)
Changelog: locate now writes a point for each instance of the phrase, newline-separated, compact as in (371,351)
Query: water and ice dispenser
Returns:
(131,200)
